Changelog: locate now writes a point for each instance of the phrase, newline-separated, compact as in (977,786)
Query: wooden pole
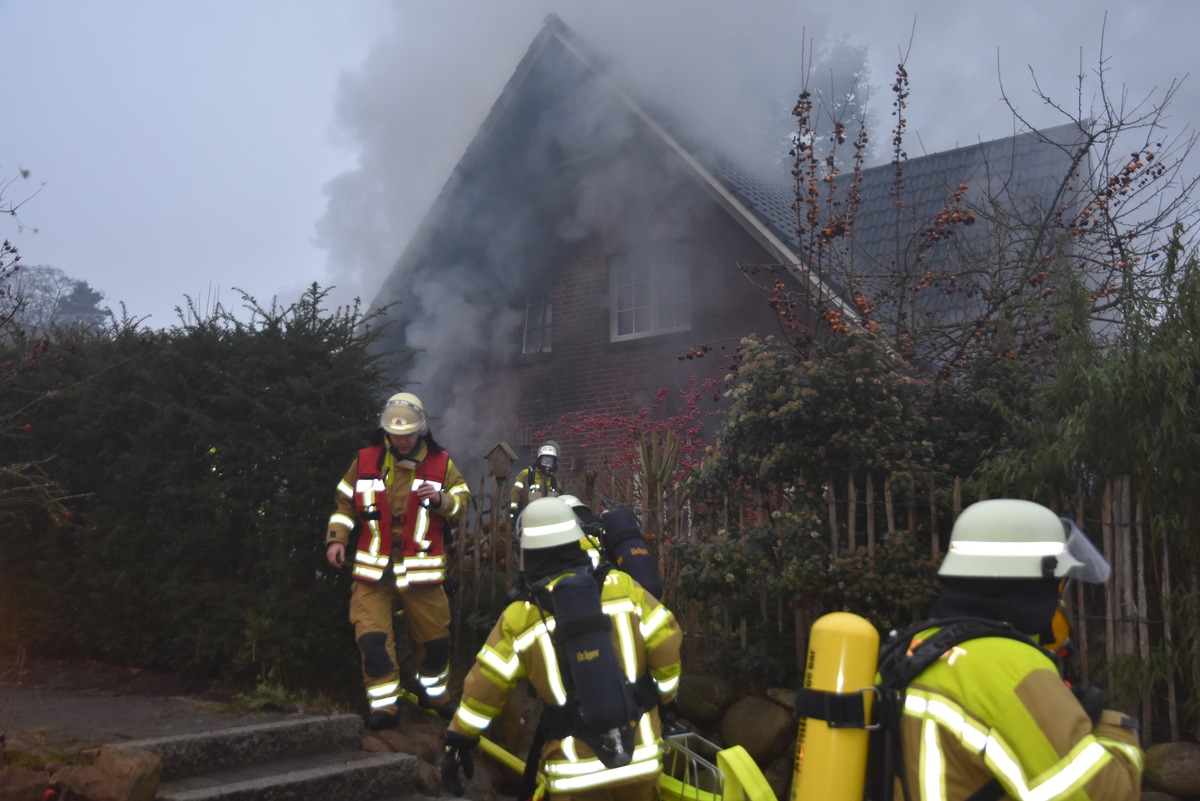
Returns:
(831,502)
(1169,636)
(934,547)
(1143,627)
(1110,589)
(1081,618)
(851,514)
(889,504)
(870,514)
(1124,534)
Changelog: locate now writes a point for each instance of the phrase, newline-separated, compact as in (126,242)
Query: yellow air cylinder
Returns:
(831,763)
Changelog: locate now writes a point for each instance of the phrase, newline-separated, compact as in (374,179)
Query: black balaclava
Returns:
(542,563)
(1028,604)
(379,437)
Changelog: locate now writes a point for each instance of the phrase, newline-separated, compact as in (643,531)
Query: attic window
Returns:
(651,292)
(537,323)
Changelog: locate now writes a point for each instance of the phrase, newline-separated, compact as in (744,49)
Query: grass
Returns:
(274,697)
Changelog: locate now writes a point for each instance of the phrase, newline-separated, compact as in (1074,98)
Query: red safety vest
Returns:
(422,552)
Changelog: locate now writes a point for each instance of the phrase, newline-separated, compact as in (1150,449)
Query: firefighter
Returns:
(993,717)
(534,639)
(400,493)
(536,481)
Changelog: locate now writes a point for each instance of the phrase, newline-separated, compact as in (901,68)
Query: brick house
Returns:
(580,248)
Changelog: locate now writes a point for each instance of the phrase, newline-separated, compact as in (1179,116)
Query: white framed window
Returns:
(536,338)
(651,292)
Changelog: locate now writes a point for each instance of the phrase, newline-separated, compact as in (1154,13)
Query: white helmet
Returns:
(547,456)
(404,414)
(1008,538)
(547,523)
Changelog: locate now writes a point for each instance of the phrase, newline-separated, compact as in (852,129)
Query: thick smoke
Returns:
(457,312)
(729,70)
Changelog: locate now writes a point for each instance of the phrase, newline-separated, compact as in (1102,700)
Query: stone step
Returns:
(302,758)
(190,754)
(317,777)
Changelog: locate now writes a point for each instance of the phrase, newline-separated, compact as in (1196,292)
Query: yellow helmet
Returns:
(1008,538)
(404,414)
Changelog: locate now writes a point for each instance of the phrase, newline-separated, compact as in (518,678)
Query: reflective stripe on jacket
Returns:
(996,708)
(646,637)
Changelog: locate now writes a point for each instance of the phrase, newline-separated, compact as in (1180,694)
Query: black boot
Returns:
(382,719)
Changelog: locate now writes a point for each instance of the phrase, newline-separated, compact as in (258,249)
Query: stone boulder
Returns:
(1174,768)
(424,736)
(118,774)
(419,734)
(703,699)
(761,726)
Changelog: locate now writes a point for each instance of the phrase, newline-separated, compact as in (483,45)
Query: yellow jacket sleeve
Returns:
(664,640)
(458,494)
(497,670)
(344,517)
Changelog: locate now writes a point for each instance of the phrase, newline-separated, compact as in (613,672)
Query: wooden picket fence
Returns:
(1121,619)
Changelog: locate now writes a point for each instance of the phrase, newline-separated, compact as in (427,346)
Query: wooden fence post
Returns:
(831,503)
(1081,618)
(1169,636)
(889,504)
(1110,589)
(1123,531)
(1143,627)
(851,514)
(870,514)
(934,549)
(912,506)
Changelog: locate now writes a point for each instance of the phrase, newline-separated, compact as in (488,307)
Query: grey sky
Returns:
(191,147)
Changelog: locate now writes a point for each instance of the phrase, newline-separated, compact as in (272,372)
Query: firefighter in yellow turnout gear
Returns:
(995,710)
(536,481)
(540,638)
(400,494)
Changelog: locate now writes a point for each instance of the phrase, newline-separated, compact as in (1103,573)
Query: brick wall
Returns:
(587,372)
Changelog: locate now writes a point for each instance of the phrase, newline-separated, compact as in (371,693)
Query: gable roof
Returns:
(1027,166)
(762,209)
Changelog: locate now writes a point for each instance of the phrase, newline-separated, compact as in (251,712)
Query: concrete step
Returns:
(317,777)
(190,754)
(305,758)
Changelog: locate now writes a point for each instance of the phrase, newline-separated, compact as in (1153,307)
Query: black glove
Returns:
(458,754)
(1090,698)
(669,714)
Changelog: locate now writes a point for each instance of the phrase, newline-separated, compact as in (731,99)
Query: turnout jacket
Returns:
(994,707)
(529,485)
(646,637)
(377,496)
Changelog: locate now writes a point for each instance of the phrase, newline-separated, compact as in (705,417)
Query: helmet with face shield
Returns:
(547,456)
(404,414)
(1008,538)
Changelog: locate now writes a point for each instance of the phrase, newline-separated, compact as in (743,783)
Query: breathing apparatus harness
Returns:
(603,708)
(899,663)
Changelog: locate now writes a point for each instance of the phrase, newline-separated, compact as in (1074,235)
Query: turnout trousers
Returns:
(427,610)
